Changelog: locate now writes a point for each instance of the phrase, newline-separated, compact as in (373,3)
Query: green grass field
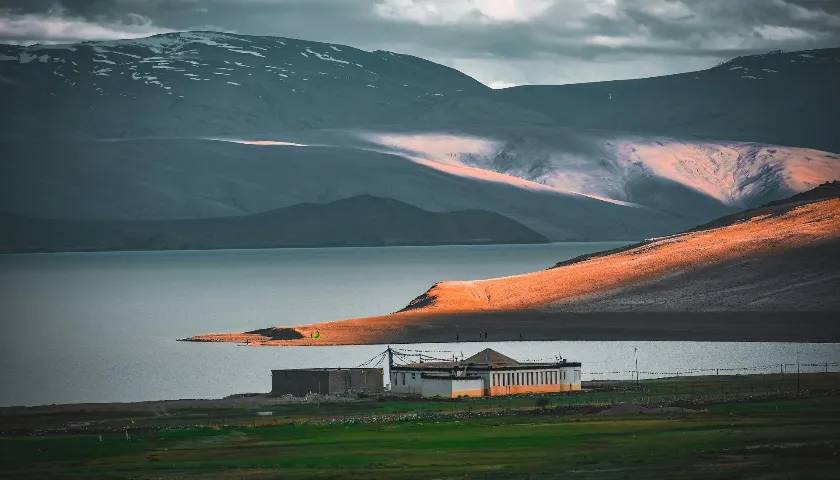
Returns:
(699,433)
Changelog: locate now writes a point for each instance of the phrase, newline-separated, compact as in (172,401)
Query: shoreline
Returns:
(150,409)
(414,327)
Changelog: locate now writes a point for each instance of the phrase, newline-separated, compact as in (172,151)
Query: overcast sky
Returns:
(499,42)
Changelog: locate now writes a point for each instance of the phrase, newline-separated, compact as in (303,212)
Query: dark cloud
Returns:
(498,41)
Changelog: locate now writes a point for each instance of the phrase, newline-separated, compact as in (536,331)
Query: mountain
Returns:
(356,221)
(770,273)
(782,98)
(173,179)
(205,124)
(208,83)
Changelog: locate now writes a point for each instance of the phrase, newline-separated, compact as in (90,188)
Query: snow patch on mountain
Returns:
(264,143)
(326,57)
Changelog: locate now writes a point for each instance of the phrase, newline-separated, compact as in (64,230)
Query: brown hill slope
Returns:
(771,273)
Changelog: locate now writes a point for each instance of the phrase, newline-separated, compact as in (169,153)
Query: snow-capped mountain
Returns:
(206,124)
(206,83)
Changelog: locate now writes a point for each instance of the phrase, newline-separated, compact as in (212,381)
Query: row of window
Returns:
(546,377)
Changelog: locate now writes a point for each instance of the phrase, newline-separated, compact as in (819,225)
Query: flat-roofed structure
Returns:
(487,373)
(326,381)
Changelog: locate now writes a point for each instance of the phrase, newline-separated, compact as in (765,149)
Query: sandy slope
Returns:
(782,242)
(761,235)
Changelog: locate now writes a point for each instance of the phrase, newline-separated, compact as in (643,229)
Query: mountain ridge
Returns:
(363,220)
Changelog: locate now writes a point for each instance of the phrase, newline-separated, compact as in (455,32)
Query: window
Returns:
(403,378)
(413,375)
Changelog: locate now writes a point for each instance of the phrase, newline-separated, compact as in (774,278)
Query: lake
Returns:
(101,327)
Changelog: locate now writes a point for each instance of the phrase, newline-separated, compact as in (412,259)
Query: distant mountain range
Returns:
(354,222)
(205,125)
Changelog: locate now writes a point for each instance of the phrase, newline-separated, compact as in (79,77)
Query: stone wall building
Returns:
(326,381)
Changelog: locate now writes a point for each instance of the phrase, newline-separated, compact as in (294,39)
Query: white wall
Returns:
(429,386)
(406,382)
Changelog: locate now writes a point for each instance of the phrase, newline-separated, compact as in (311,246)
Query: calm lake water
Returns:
(100,327)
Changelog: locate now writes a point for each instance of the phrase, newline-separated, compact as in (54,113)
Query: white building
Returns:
(487,373)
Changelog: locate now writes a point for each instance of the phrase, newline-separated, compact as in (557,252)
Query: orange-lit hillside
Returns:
(508,306)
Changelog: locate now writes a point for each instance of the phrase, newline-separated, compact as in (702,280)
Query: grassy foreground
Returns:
(692,427)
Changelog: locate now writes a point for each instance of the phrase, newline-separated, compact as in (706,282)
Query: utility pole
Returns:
(797,373)
(390,354)
(636,358)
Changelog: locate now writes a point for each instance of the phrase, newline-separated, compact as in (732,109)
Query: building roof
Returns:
(438,376)
(487,359)
(492,358)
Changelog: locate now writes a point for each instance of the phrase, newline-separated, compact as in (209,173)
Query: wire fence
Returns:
(781,368)
(406,356)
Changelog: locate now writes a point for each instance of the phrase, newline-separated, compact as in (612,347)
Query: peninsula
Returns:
(765,274)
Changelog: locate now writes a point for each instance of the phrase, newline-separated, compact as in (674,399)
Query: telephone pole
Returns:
(636,358)
(797,373)
(390,354)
